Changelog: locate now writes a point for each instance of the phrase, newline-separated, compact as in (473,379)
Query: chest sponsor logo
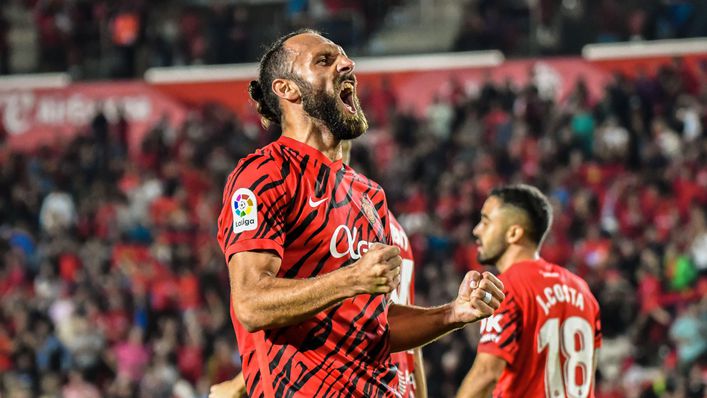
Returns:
(353,247)
(244,206)
(491,329)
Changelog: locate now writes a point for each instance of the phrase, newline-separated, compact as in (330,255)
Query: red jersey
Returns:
(404,295)
(318,216)
(546,330)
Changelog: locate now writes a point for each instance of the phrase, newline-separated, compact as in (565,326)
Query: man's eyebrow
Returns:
(331,49)
(326,51)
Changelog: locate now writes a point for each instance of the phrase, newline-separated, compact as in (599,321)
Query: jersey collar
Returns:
(526,264)
(309,150)
(539,263)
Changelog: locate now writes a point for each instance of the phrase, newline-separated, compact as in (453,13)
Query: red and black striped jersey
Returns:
(318,216)
(404,295)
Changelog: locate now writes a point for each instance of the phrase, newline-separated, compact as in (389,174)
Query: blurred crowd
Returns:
(120,39)
(547,27)
(112,283)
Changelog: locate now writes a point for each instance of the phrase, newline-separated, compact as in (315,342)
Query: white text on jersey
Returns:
(559,293)
(491,329)
(354,249)
(399,238)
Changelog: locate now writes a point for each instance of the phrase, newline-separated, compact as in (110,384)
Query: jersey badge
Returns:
(244,205)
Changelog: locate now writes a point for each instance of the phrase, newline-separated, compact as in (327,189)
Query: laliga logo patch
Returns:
(245,210)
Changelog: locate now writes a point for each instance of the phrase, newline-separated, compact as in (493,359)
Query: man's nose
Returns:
(346,65)
(475,232)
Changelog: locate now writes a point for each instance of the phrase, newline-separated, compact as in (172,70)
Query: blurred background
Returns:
(110,39)
(119,122)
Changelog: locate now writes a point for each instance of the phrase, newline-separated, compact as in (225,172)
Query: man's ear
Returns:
(286,89)
(515,233)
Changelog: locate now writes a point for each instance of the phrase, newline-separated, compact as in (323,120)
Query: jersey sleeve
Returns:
(597,328)
(254,205)
(500,333)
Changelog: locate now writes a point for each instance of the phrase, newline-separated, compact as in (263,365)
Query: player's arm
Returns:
(483,376)
(261,300)
(412,326)
(234,388)
(419,374)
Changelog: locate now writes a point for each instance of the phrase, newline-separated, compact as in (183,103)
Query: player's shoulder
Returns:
(533,274)
(574,278)
(363,178)
(587,291)
(259,171)
(266,159)
(522,270)
(267,166)
(577,282)
(374,183)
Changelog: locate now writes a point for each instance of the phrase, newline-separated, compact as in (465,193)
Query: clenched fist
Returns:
(378,271)
(479,296)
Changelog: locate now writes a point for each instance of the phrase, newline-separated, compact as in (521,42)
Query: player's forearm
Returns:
(477,385)
(412,326)
(234,388)
(420,380)
(276,302)
(483,376)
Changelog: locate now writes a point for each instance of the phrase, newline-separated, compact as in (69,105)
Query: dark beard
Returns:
(490,260)
(324,107)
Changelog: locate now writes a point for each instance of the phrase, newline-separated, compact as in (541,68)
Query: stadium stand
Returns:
(110,39)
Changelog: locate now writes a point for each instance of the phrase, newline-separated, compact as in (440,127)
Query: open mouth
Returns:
(347,96)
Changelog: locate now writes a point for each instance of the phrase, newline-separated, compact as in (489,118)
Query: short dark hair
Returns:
(530,200)
(273,65)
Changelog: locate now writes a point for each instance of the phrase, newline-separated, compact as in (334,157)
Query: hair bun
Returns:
(256,93)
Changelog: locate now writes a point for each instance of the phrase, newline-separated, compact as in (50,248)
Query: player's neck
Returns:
(516,254)
(313,133)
